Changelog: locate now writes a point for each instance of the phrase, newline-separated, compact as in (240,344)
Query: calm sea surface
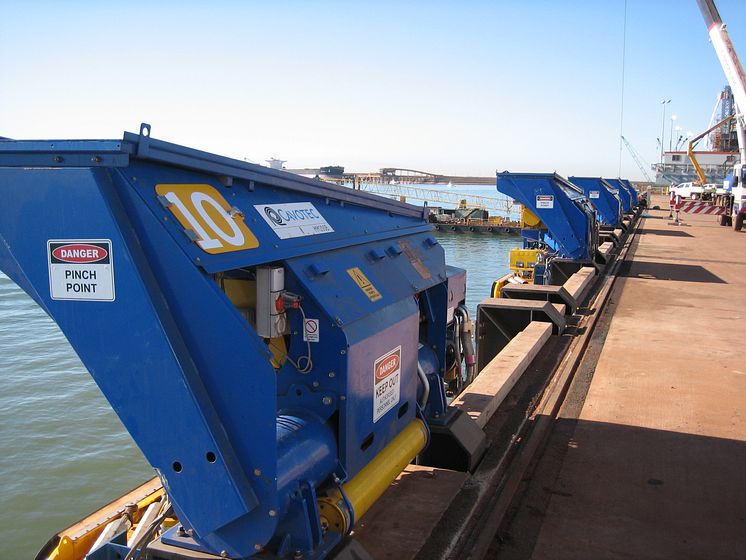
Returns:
(63,452)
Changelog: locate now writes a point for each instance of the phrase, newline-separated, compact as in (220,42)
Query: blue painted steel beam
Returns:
(603,196)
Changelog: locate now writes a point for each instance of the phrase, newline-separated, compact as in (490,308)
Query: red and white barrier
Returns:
(699,207)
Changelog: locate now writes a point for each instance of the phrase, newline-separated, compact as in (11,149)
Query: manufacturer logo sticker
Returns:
(297,219)
(386,382)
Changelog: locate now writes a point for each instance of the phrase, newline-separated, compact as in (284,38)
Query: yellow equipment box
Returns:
(523,261)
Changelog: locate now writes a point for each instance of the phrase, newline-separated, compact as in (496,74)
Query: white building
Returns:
(677,168)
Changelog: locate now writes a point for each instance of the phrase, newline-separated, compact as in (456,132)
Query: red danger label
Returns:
(79,253)
(388,366)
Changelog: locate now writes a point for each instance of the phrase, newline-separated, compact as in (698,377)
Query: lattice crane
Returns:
(638,160)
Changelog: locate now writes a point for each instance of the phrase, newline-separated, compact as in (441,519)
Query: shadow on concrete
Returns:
(665,232)
(668,271)
(607,491)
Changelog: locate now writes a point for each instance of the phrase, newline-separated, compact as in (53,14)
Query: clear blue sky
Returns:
(454,87)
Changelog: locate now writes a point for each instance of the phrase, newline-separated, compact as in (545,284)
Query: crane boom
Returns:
(732,68)
(638,161)
(690,148)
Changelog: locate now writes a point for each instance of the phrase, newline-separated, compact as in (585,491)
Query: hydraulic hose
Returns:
(425,386)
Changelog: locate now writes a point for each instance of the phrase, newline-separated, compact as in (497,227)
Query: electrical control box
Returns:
(271,319)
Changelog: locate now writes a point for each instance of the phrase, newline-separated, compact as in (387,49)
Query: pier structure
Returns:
(617,427)
(646,456)
(390,175)
(406,184)
(503,205)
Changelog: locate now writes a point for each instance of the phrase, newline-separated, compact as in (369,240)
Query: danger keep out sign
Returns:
(386,382)
(81,270)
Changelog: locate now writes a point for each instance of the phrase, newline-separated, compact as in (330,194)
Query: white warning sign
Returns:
(594,194)
(386,382)
(81,270)
(310,330)
(545,201)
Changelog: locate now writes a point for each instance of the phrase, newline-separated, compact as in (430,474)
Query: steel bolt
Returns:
(273,513)
(343,351)
(327,401)
(342,398)
(257,472)
(315,383)
(332,375)
(257,547)
(224,553)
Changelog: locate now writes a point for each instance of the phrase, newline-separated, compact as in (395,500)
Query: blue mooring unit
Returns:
(632,191)
(259,334)
(604,197)
(561,206)
(627,194)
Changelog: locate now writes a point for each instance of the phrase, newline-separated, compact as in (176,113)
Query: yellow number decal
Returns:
(218,227)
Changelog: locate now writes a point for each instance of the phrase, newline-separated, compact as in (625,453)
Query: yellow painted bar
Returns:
(371,482)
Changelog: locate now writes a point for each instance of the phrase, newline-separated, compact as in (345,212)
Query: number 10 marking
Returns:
(203,209)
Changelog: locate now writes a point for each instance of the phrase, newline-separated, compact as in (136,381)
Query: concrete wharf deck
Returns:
(648,457)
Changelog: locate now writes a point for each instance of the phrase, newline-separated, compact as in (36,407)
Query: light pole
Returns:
(670,138)
(663,125)
(679,137)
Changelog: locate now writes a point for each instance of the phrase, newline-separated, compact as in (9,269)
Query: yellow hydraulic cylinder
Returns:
(369,484)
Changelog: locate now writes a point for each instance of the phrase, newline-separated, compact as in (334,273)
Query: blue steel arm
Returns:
(570,218)
(603,196)
(624,195)
(155,351)
(632,191)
